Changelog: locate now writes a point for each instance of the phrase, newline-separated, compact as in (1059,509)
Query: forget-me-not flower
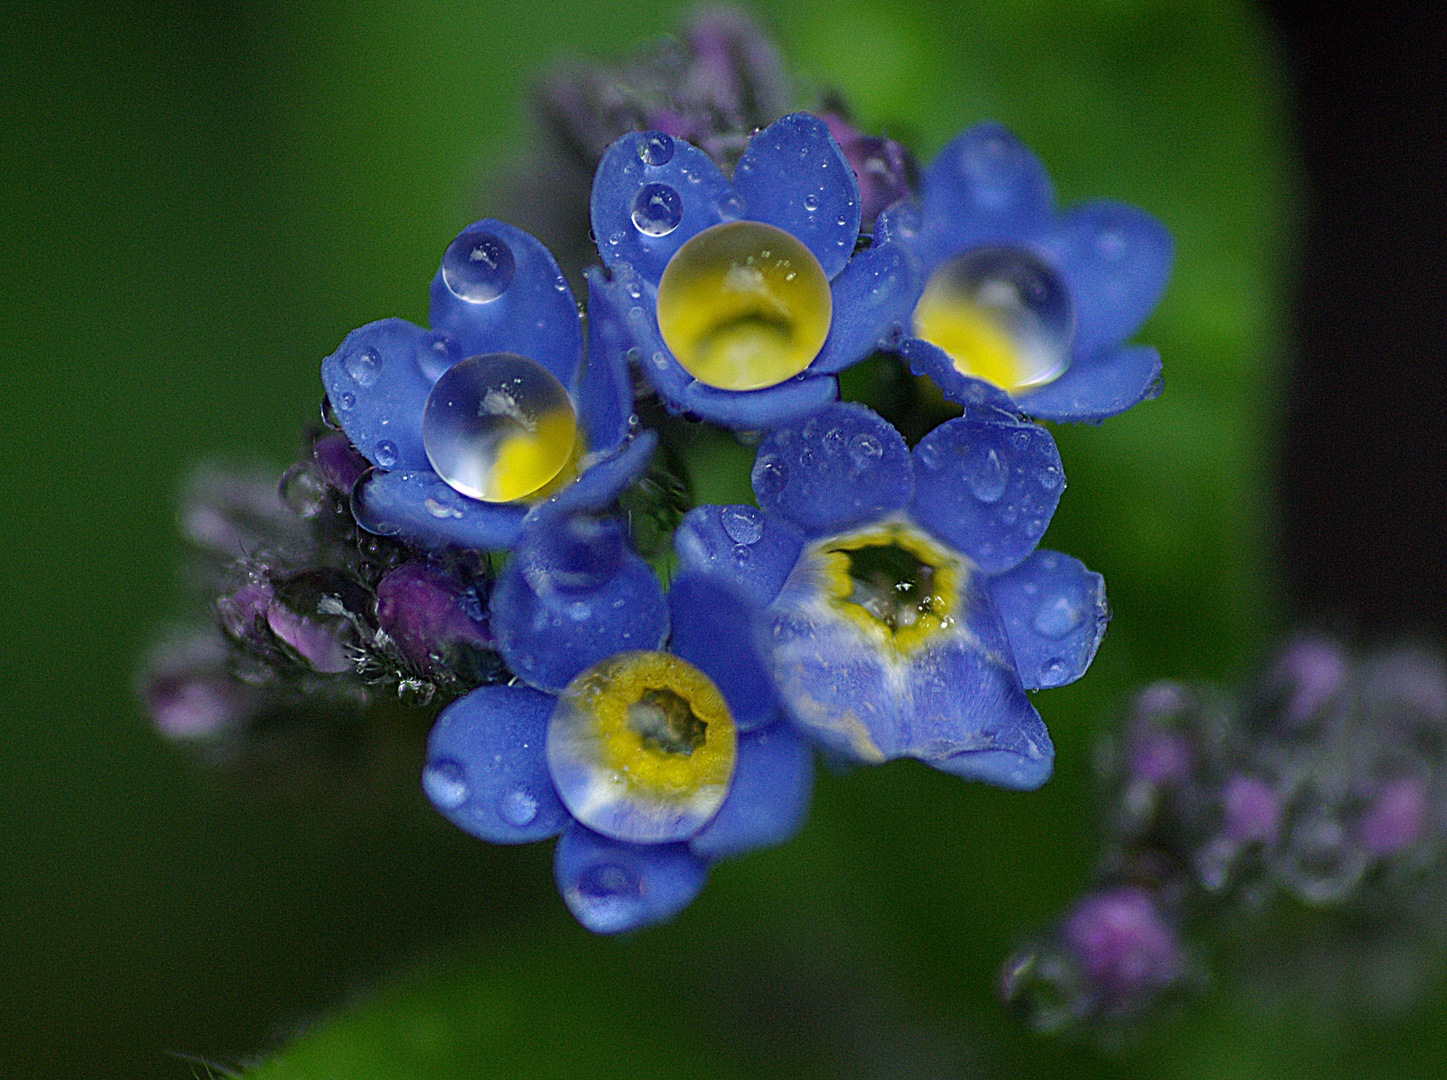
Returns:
(492,410)
(903,610)
(739,298)
(647,763)
(1031,301)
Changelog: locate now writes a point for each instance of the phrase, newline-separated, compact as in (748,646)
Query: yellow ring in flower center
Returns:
(744,305)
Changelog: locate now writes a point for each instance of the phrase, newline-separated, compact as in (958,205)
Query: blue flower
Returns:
(1033,302)
(490,411)
(738,299)
(902,610)
(647,764)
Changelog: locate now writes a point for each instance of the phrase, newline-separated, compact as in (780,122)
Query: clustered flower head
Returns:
(1320,788)
(500,515)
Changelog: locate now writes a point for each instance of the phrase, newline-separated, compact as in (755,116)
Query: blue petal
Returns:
(1098,387)
(842,466)
(987,485)
(748,551)
(572,595)
(984,187)
(534,315)
(1054,613)
(793,175)
(768,799)
(931,362)
(487,768)
(610,886)
(623,176)
(604,392)
(377,383)
(603,478)
(970,716)
(755,410)
(423,510)
(629,306)
(874,298)
(1116,261)
(715,629)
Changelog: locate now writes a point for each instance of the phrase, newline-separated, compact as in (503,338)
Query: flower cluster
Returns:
(1323,787)
(500,512)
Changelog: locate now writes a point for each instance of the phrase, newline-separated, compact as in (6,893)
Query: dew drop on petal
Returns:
(363,366)
(657,210)
(518,808)
(498,427)
(744,524)
(744,305)
(769,475)
(655,148)
(811,202)
(987,476)
(1052,673)
(929,456)
(478,267)
(1058,617)
(865,450)
(440,355)
(386,453)
(731,206)
(346,401)
(445,782)
(1001,314)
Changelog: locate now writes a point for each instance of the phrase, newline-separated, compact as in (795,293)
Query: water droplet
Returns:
(304,490)
(865,450)
(833,441)
(415,693)
(445,782)
(1009,514)
(440,509)
(608,882)
(1110,245)
(363,366)
(498,427)
(346,401)
(811,202)
(657,210)
(386,454)
(929,456)
(744,524)
(440,355)
(731,206)
(988,477)
(517,807)
(478,267)
(1050,478)
(1052,673)
(1058,617)
(655,148)
(769,475)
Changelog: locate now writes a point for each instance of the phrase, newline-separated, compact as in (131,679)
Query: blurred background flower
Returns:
(201,202)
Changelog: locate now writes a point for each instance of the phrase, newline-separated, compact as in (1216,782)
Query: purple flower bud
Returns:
(883,167)
(242,613)
(1394,820)
(421,608)
(1122,943)
(339,463)
(1311,670)
(317,642)
(1251,812)
(1158,756)
(188,692)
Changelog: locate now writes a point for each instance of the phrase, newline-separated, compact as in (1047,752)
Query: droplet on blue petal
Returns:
(498,427)
(744,524)
(1110,245)
(1058,617)
(731,206)
(657,210)
(440,355)
(1052,673)
(929,456)
(518,808)
(655,148)
(865,450)
(811,202)
(769,475)
(478,267)
(833,441)
(346,401)
(445,782)
(609,883)
(1049,477)
(988,476)
(386,453)
(363,366)
(1001,314)
(743,553)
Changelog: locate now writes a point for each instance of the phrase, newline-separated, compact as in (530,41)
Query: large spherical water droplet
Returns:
(744,305)
(478,267)
(498,427)
(1001,314)
(655,148)
(641,748)
(657,210)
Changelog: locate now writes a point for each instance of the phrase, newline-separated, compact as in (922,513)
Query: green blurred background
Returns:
(199,202)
